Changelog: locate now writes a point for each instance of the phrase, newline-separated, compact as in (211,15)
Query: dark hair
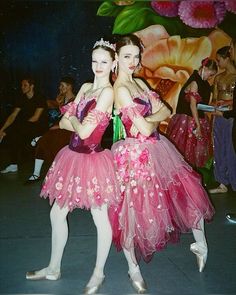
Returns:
(210,64)
(68,80)
(129,39)
(107,48)
(224,52)
(233,42)
(29,79)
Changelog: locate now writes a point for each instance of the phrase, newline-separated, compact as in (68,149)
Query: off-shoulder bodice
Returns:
(92,143)
(141,106)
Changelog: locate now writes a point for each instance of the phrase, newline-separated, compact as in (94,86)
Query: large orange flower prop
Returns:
(168,61)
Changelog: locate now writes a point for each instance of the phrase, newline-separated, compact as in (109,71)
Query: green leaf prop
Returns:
(132,18)
(108,8)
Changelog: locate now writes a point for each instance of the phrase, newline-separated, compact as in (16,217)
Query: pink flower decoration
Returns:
(143,158)
(230,5)
(58,186)
(70,108)
(166,8)
(120,159)
(202,14)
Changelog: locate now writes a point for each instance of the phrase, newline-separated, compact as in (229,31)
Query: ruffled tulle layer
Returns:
(162,196)
(79,180)
(181,132)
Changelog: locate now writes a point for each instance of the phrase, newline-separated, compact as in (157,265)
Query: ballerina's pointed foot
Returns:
(221,189)
(137,281)
(201,254)
(94,284)
(43,274)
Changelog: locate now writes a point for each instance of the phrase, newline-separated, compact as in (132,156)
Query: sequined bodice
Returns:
(141,106)
(92,143)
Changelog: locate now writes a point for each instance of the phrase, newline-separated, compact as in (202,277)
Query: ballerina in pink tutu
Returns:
(162,195)
(82,174)
(190,129)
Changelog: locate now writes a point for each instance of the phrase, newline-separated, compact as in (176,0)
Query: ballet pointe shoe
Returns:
(221,189)
(94,284)
(201,254)
(137,281)
(43,274)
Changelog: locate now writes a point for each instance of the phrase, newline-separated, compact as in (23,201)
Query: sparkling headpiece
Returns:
(104,43)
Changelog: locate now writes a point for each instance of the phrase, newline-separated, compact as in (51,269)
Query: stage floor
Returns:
(25,245)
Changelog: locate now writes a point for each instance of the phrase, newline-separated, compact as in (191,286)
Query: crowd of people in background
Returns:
(145,191)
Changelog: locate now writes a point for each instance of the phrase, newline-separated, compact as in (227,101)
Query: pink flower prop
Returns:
(166,8)
(230,5)
(220,10)
(201,14)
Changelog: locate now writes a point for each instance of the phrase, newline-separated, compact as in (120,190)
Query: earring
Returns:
(114,68)
(138,68)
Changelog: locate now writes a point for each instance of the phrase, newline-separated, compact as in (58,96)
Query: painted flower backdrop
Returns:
(168,61)
(178,17)
(176,35)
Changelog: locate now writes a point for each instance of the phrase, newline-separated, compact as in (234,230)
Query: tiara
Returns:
(104,43)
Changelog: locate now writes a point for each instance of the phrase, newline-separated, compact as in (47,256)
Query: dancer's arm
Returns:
(36,116)
(159,110)
(104,105)
(65,122)
(160,115)
(124,100)
(9,121)
(193,88)
(215,88)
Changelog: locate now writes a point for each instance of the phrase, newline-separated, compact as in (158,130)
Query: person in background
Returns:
(82,174)
(189,129)
(224,152)
(161,195)
(28,120)
(49,144)
(231,216)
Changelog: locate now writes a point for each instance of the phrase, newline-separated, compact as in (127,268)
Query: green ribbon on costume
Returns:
(118,128)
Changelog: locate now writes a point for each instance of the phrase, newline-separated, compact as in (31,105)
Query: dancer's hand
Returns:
(197,132)
(134,130)
(156,105)
(2,134)
(90,118)
(54,127)
(218,113)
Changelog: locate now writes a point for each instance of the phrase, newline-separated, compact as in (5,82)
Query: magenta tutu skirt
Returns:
(180,131)
(79,180)
(162,196)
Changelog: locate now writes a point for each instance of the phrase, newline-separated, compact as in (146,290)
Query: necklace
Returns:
(101,87)
(91,91)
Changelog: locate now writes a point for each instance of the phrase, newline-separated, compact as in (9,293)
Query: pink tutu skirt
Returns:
(162,196)
(79,180)
(180,131)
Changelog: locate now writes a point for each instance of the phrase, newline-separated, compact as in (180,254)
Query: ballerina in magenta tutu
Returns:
(189,129)
(82,174)
(162,195)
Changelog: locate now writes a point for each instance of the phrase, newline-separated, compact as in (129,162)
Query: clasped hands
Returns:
(90,118)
